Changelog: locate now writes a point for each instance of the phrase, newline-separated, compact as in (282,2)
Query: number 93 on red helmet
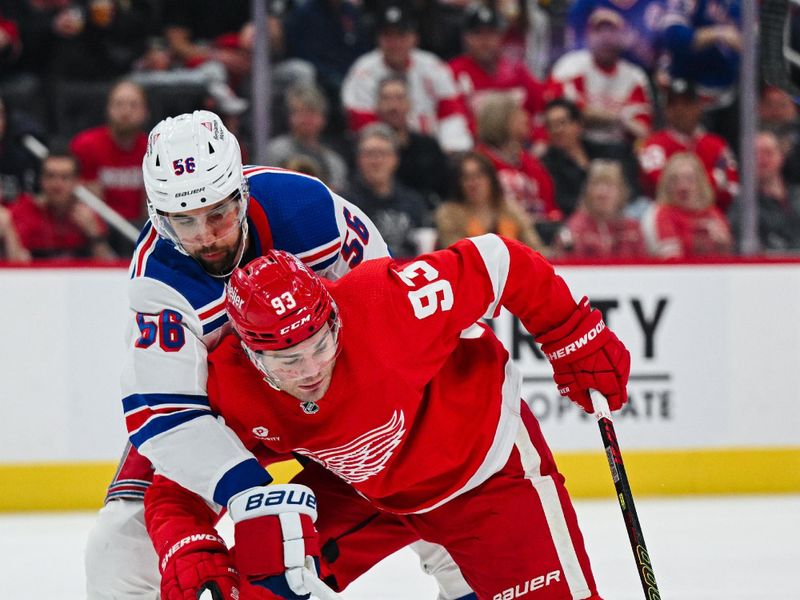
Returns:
(288,322)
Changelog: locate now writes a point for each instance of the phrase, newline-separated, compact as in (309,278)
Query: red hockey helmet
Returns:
(275,302)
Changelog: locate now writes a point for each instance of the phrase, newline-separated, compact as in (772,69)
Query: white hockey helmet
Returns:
(192,161)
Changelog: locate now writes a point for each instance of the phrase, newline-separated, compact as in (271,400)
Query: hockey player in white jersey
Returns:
(208,214)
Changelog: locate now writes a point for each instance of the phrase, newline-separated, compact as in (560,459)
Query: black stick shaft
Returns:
(625,498)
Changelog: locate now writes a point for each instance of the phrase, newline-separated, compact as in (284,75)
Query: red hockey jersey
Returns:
(423,404)
(713,151)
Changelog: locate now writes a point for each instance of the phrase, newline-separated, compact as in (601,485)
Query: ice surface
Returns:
(707,548)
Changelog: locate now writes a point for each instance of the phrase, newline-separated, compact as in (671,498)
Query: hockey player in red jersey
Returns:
(384,379)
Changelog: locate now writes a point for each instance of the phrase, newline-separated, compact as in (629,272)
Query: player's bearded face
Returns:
(212,236)
(304,370)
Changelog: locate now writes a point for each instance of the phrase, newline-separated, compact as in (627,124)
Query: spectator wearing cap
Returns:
(307,109)
(436,107)
(398,212)
(483,69)
(422,161)
(683,133)
(612,92)
(643,37)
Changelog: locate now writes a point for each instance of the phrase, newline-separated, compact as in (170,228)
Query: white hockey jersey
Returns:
(178,314)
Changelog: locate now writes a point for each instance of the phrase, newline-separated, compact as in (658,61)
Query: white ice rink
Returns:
(710,548)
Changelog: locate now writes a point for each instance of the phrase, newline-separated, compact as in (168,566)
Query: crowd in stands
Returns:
(585,128)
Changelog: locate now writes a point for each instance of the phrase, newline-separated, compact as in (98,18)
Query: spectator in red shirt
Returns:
(436,106)
(683,133)
(599,227)
(684,222)
(110,156)
(612,92)
(503,129)
(483,68)
(55,224)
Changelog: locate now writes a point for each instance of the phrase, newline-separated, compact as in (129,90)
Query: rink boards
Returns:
(714,384)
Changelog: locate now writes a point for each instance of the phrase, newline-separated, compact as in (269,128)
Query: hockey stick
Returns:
(625,496)
(317,587)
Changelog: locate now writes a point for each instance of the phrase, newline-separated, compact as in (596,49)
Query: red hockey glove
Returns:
(275,534)
(196,563)
(585,355)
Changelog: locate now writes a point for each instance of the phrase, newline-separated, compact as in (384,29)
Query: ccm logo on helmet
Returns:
(577,344)
(278,497)
(234,298)
(295,325)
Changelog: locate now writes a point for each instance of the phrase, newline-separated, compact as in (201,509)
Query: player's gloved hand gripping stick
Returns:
(591,367)
(625,496)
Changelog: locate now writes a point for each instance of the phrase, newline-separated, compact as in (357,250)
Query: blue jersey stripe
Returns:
(135,401)
(245,475)
(162,423)
(215,324)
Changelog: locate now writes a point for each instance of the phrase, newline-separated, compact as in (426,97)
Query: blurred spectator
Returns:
(205,44)
(11,249)
(684,222)
(599,227)
(436,107)
(55,224)
(778,201)
(642,44)
(528,36)
(19,168)
(110,157)
(399,213)
(101,39)
(307,111)
(704,42)
(777,112)
(683,133)
(82,39)
(330,35)
(568,154)
(303,164)
(483,69)
(10,42)
(480,206)
(612,92)
(422,162)
(503,128)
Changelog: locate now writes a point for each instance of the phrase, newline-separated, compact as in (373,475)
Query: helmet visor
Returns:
(305,360)
(212,235)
